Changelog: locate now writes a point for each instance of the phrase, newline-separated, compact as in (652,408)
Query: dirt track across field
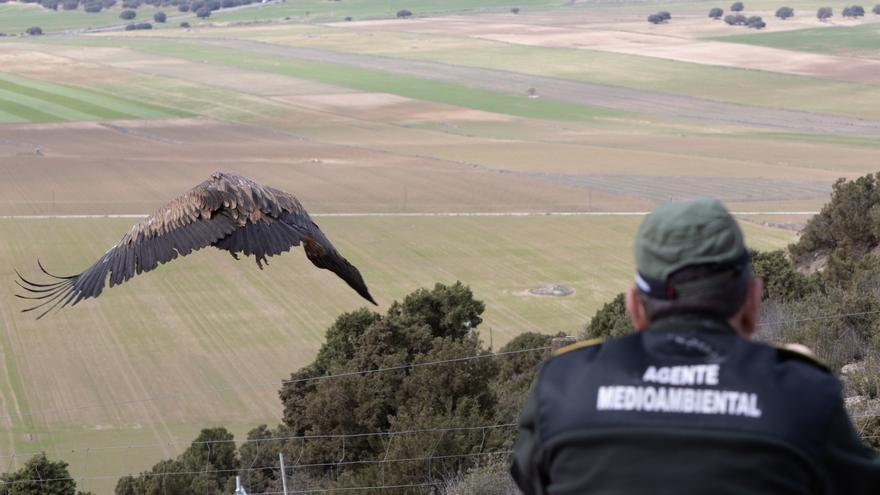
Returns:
(626,99)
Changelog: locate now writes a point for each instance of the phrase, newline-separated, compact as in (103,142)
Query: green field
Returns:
(860,41)
(368,80)
(30,100)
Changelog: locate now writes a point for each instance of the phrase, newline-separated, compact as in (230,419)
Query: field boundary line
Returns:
(429,214)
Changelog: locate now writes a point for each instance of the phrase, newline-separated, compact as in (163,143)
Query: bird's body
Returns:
(227,211)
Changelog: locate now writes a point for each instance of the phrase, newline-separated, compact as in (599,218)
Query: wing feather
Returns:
(228,211)
(188,223)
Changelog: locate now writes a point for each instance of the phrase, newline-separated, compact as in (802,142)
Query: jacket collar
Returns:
(691,322)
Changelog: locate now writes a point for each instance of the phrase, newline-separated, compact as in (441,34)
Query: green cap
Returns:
(681,234)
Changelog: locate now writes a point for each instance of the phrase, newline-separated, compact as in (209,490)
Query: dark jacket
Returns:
(688,407)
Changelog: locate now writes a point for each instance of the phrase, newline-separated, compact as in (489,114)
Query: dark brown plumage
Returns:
(227,211)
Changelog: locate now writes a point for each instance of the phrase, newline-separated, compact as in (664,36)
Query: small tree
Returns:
(757,24)
(34,31)
(655,19)
(70,4)
(824,13)
(130,27)
(184,7)
(49,4)
(716,13)
(736,7)
(127,15)
(784,13)
(184,25)
(160,16)
(735,20)
(39,476)
(876,9)
(203,13)
(665,15)
(108,3)
(403,14)
(93,8)
(854,11)
(515,10)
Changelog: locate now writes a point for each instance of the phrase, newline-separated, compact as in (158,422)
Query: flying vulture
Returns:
(227,211)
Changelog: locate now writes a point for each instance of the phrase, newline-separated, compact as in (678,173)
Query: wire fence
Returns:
(273,467)
(343,436)
(179,394)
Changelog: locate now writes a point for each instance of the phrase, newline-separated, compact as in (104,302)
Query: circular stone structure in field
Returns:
(556,290)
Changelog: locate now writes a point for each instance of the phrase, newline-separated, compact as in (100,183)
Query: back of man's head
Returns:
(691,259)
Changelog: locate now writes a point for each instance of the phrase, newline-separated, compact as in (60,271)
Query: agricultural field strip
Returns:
(584,93)
(855,41)
(28,99)
(432,214)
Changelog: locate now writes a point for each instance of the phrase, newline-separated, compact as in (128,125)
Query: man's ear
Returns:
(748,316)
(636,309)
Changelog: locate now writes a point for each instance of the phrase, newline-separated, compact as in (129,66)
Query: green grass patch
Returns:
(30,100)
(862,40)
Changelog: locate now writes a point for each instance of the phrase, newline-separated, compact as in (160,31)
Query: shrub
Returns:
(737,7)
(34,31)
(127,15)
(403,14)
(348,18)
(610,320)
(184,7)
(655,19)
(784,12)
(515,10)
(49,4)
(160,16)
(666,16)
(876,9)
(144,25)
(130,27)
(716,13)
(108,3)
(735,20)
(203,13)
(755,22)
(185,25)
(854,11)
(94,7)
(70,4)
(848,226)
(824,13)
(131,4)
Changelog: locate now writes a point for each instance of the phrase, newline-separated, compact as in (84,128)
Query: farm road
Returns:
(618,98)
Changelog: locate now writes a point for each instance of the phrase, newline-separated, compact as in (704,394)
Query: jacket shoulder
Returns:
(799,353)
(583,344)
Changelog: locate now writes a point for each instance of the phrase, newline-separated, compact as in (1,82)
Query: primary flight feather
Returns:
(227,211)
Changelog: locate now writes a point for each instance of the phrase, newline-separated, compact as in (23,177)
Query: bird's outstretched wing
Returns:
(228,211)
(265,235)
(190,222)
